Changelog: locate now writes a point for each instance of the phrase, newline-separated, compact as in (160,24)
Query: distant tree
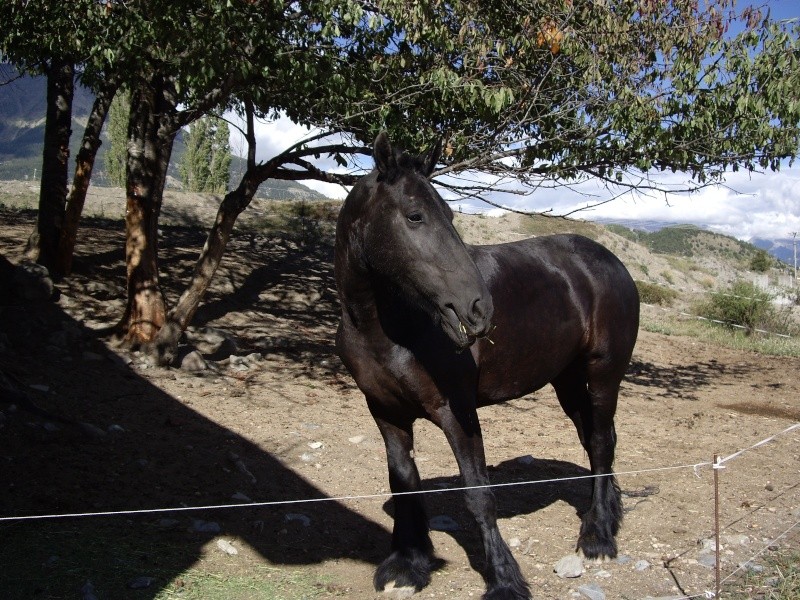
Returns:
(221,158)
(761,262)
(117,131)
(206,162)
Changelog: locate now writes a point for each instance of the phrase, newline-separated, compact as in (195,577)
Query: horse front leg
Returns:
(504,580)
(409,565)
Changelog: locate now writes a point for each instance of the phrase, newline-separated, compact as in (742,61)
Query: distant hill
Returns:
(22,116)
(688,240)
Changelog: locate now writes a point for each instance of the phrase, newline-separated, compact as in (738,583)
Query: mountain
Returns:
(684,239)
(782,249)
(22,116)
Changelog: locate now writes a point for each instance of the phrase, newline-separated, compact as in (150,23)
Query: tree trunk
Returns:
(235,201)
(43,243)
(150,139)
(84,164)
(165,345)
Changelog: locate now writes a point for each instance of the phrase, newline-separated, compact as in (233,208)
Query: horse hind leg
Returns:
(589,398)
(409,564)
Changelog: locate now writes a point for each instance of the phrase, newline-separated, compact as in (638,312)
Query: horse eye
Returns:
(414,218)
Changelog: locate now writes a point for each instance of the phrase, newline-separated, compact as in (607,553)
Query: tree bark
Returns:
(84,164)
(165,345)
(150,139)
(43,243)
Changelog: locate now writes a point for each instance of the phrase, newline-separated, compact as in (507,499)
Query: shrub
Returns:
(650,293)
(742,304)
(761,262)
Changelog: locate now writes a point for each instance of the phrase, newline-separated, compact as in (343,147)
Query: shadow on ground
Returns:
(149,451)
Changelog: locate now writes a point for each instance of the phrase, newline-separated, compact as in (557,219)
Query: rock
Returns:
(315,445)
(213,343)
(751,567)
(443,523)
(87,592)
(569,567)
(227,547)
(592,591)
(194,362)
(141,583)
(603,574)
(734,540)
(356,439)
(707,560)
(623,559)
(92,431)
(168,523)
(304,520)
(641,565)
(238,363)
(708,545)
(201,526)
(32,282)
(514,542)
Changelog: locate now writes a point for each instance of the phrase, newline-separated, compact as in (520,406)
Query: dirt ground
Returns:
(281,421)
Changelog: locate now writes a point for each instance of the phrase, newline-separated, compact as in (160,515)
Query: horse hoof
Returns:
(403,570)
(596,549)
(508,592)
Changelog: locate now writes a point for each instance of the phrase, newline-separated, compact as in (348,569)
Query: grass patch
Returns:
(780,580)
(54,560)
(722,336)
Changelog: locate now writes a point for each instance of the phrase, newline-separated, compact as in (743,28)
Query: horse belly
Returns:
(520,366)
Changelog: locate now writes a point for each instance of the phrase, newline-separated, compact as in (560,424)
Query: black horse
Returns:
(432,328)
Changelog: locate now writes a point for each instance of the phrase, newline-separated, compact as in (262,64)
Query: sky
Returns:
(745,206)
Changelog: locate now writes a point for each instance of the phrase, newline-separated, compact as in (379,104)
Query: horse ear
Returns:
(431,158)
(383,154)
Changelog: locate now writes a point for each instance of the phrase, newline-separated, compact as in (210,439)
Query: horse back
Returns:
(559,301)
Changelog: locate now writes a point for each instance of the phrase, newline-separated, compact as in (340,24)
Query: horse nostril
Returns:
(478,311)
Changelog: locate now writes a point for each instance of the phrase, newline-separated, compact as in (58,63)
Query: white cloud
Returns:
(745,206)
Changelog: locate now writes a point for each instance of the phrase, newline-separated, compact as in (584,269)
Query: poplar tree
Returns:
(117,132)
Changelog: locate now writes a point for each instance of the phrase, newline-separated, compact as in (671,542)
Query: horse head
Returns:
(396,230)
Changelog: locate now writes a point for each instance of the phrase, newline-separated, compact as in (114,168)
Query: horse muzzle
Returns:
(473,321)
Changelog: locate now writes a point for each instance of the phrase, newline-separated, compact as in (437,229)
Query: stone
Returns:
(201,526)
(141,583)
(592,591)
(569,567)
(641,565)
(87,591)
(227,547)
(194,362)
(304,520)
(707,560)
